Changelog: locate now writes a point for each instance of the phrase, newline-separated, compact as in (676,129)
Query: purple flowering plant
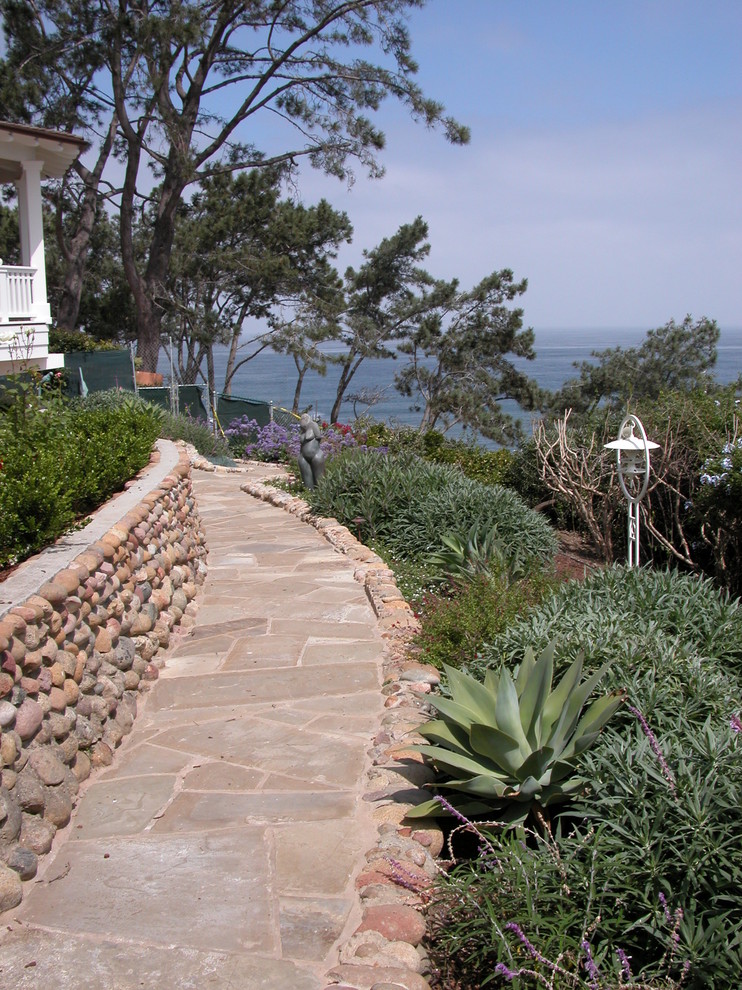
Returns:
(280,444)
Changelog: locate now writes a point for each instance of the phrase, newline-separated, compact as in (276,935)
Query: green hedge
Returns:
(59,462)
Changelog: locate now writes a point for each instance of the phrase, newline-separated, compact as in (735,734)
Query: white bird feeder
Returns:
(633,459)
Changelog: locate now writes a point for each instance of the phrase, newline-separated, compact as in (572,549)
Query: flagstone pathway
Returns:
(220,848)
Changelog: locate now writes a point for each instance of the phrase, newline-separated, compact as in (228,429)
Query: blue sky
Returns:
(605,163)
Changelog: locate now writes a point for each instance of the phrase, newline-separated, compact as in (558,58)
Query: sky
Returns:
(605,162)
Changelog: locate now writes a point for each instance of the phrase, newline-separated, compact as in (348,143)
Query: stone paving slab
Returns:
(33,959)
(221,846)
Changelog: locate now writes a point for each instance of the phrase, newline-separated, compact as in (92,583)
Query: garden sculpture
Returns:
(311,455)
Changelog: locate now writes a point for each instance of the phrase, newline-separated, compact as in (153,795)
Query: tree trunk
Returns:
(76,251)
(210,372)
(346,376)
(299,383)
(231,361)
(68,307)
(148,287)
(148,333)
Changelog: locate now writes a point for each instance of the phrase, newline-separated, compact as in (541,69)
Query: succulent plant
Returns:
(508,746)
(478,553)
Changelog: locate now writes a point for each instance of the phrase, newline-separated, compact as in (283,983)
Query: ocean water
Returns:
(272,377)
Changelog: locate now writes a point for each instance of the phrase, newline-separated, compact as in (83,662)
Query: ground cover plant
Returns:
(407,504)
(636,884)
(456,622)
(61,460)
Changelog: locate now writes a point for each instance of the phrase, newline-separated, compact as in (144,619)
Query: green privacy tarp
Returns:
(230,407)
(101,370)
(191,399)
(192,402)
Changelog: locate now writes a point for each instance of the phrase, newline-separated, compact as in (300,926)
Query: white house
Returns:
(28,155)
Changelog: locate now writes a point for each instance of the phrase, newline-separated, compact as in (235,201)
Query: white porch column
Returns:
(31,224)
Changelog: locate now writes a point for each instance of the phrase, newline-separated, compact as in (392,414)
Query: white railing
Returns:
(16,293)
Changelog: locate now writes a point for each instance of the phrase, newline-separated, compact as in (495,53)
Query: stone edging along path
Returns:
(385,951)
(80,624)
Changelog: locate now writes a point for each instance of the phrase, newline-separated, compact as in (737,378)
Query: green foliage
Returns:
(675,357)
(384,298)
(456,626)
(72,341)
(660,821)
(509,746)
(629,616)
(491,467)
(170,426)
(406,503)
(459,503)
(239,252)
(464,558)
(478,553)
(526,914)
(102,56)
(199,434)
(60,461)
(460,353)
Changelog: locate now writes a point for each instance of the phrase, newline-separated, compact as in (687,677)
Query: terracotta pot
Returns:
(149,379)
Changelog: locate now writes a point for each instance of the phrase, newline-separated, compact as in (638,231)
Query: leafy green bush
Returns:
(106,448)
(456,503)
(488,466)
(654,845)
(491,467)
(172,427)
(406,503)
(368,491)
(75,341)
(59,461)
(199,434)
(455,627)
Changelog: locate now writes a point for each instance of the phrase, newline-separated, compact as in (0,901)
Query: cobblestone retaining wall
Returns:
(74,657)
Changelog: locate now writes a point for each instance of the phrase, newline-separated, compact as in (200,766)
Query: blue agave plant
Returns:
(507,747)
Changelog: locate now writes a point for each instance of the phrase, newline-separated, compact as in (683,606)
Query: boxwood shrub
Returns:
(58,462)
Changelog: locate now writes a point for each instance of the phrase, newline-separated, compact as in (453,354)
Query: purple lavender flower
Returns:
(510,974)
(666,771)
(513,927)
(625,965)
(736,723)
(590,966)
(663,901)
(452,810)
